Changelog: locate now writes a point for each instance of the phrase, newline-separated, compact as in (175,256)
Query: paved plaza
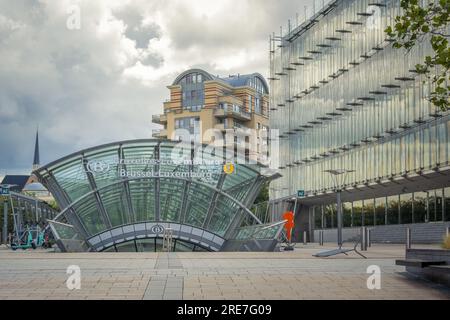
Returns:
(279,275)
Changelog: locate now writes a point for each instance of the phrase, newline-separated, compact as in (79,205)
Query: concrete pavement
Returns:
(195,275)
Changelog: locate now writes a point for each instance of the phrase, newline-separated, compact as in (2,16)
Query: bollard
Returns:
(363,239)
(408,238)
(304,238)
(321,237)
(369,240)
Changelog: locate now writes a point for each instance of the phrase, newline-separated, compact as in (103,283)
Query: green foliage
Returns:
(52,204)
(263,195)
(428,22)
(446,242)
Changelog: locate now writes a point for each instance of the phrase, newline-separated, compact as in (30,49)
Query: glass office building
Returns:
(343,98)
(126,196)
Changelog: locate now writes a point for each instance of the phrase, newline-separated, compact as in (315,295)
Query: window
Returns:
(406,208)
(420,207)
(199,78)
(257,105)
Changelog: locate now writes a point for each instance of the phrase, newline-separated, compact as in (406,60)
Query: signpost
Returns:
(301,193)
(4,191)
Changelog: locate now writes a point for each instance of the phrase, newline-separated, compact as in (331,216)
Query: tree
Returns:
(419,23)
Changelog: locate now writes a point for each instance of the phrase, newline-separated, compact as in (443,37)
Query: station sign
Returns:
(4,191)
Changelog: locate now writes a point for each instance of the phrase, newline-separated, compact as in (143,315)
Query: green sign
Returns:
(4,191)
(301,193)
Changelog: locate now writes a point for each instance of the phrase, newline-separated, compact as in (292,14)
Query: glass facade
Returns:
(189,194)
(342,97)
(417,207)
(193,91)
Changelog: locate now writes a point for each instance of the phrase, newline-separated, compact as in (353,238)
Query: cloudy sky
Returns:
(102,82)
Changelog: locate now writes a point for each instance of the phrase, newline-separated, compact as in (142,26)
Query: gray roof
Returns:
(17,182)
(240,80)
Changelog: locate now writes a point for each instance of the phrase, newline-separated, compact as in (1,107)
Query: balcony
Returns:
(159,134)
(231,126)
(226,110)
(159,118)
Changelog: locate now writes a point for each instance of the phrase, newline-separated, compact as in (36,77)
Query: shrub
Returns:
(446,243)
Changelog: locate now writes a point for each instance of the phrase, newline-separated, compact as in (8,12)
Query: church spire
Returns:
(36,152)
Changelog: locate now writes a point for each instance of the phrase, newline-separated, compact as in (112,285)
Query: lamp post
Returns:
(339,176)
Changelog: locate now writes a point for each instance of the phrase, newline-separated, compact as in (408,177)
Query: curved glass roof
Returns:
(121,191)
(254,80)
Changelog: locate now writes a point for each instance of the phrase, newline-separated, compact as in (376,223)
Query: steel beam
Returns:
(157,182)
(101,209)
(213,203)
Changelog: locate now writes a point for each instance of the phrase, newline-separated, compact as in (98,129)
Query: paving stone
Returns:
(174,276)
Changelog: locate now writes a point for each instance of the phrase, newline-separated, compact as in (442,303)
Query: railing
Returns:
(228,108)
(158,118)
(159,133)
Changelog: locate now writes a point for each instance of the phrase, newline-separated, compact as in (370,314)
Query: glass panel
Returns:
(145,245)
(72,178)
(357,213)
(347,214)
(143,199)
(440,205)
(182,246)
(317,217)
(380,211)
(171,197)
(447,204)
(393,210)
(224,213)
(114,200)
(330,216)
(109,157)
(87,211)
(435,205)
(369,212)
(126,247)
(199,198)
(420,207)
(406,208)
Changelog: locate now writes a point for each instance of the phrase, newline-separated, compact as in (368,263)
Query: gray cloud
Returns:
(136,29)
(102,83)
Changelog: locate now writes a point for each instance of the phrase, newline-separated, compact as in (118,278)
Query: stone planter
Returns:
(439,275)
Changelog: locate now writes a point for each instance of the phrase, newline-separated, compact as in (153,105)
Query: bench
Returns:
(443,268)
(419,263)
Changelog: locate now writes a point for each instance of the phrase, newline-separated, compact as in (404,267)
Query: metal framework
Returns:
(107,209)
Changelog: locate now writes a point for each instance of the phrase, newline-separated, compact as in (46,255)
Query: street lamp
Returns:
(339,176)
